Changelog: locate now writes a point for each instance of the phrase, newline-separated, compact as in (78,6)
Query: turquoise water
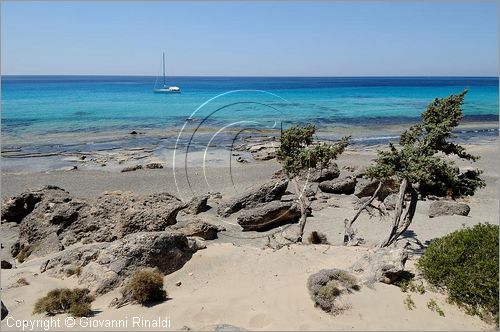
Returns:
(38,105)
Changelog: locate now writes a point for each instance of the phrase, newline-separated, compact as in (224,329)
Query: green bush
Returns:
(145,286)
(76,302)
(465,263)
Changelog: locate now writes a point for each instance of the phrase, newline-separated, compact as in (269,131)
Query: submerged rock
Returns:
(252,197)
(268,215)
(448,208)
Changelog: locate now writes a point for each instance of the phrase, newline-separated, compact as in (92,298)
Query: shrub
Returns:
(317,238)
(23,254)
(74,271)
(22,282)
(327,285)
(145,286)
(465,263)
(76,302)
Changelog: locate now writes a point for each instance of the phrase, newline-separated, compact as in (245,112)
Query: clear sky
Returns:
(251,38)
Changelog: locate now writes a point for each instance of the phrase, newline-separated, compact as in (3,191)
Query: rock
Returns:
(288,198)
(390,201)
(198,228)
(196,243)
(382,264)
(197,205)
(16,208)
(6,265)
(68,168)
(268,192)
(266,154)
(448,208)
(133,132)
(5,312)
(178,283)
(131,168)
(153,166)
(338,186)
(366,188)
(59,220)
(241,160)
(320,175)
(104,266)
(267,215)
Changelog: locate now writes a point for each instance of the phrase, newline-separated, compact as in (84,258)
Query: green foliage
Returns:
(145,286)
(297,151)
(432,304)
(76,302)
(465,263)
(317,238)
(422,156)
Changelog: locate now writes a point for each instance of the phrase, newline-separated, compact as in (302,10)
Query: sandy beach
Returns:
(237,280)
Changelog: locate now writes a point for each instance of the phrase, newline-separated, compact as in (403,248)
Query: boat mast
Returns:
(164,84)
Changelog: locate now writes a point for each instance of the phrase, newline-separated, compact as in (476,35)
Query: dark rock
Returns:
(338,186)
(104,266)
(383,264)
(268,192)
(6,265)
(131,168)
(198,228)
(153,166)
(320,175)
(367,187)
(133,132)
(448,208)
(197,204)
(268,215)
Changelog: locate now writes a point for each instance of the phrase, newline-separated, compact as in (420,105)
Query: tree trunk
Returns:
(303,203)
(397,214)
(348,231)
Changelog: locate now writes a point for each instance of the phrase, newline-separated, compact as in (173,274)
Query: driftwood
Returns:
(349,232)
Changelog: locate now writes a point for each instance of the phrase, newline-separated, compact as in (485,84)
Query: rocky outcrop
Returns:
(366,188)
(268,192)
(338,186)
(268,215)
(14,209)
(448,208)
(318,175)
(198,228)
(382,264)
(104,266)
(59,220)
(197,204)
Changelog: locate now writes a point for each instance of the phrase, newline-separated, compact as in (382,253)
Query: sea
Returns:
(45,113)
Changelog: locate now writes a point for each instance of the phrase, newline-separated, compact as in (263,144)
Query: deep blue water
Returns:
(38,105)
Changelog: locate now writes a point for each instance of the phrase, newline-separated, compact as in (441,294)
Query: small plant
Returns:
(327,286)
(404,280)
(23,254)
(145,286)
(22,282)
(408,301)
(317,238)
(74,271)
(76,302)
(432,304)
(465,264)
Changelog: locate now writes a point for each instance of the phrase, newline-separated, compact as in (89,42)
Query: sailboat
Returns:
(165,88)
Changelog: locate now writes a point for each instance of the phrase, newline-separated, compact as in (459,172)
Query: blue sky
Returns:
(251,38)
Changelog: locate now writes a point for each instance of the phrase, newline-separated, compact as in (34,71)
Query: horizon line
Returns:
(262,76)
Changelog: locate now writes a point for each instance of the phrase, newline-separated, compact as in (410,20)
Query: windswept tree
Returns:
(299,152)
(422,163)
